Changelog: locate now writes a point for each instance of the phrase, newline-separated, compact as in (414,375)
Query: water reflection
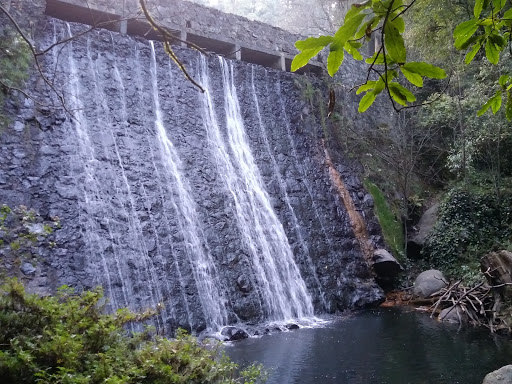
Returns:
(386,346)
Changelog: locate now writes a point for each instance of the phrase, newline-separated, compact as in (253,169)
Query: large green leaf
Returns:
(380,86)
(491,52)
(366,101)
(464,31)
(498,5)
(303,58)
(334,61)
(494,103)
(499,41)
(470,41)
(425,69)
(366,86)
(413,78)
(346,31)
(497,103)
(399,22)
(313,42)
(477,10)
(503,80)
(472,53)
(352,51)
(381,8)
(394,43)
(401,94)
(508,15)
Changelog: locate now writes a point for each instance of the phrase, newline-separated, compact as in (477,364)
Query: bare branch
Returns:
(10,88)
(167,38)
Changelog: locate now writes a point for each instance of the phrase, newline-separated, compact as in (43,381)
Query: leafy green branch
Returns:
(362,22)
(490,29)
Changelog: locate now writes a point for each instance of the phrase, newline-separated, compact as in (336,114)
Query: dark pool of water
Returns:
(381,346)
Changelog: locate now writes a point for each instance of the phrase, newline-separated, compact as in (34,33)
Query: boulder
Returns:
(385,265)
(424,227)
(233,334)
(453,314)
(500,376)
(429,282)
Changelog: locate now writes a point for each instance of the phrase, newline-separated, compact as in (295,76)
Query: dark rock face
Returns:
(126,226)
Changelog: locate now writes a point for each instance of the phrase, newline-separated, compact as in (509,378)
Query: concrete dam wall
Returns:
(220,208)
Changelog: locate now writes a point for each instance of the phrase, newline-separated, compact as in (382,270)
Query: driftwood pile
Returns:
(478,305)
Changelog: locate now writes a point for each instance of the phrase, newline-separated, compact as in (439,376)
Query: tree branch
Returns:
(167,37)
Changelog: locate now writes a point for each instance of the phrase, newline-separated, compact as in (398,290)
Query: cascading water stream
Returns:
(282,186)
(180,296)
(211,296)
(282,290)
(93,200)
(134,237)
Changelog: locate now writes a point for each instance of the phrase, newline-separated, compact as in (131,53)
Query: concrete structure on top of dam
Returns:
(222,33)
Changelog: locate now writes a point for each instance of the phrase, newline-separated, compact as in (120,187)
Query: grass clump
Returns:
(391,226)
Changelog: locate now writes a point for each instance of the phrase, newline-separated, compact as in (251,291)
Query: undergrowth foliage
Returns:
(67,339)
(469,225)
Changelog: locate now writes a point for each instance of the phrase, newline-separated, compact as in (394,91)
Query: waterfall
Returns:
(281,288)
(162,195)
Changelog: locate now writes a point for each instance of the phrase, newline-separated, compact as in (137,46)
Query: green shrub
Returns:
(470,224)
(67,339)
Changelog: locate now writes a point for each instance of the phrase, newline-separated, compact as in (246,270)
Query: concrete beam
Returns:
(282,62)
(183,37)
(235,48)
(238,52)
(123,27)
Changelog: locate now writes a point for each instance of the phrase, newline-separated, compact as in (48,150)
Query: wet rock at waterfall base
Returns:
(429,282)
(292,326)
(500,376)
(234,334)
(453,314)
